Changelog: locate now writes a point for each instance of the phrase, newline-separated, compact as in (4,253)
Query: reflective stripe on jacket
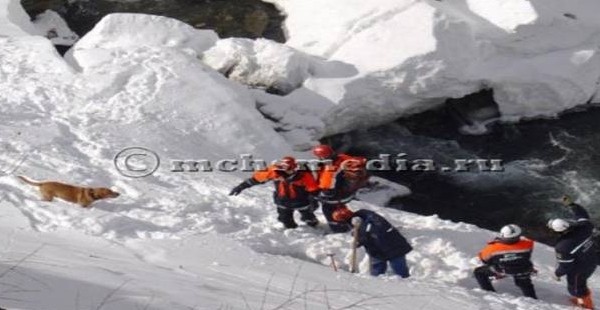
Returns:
(509,258)
(575,249)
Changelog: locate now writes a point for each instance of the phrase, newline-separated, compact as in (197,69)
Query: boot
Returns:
(587,301)
(309,218)
(312,222)
(290,225)
(584,302)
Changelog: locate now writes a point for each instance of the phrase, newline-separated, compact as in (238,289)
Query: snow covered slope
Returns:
(177,240)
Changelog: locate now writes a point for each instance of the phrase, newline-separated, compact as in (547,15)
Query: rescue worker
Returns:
(509,254)
(293,191)
(383,242)
(575,252)
(339,180)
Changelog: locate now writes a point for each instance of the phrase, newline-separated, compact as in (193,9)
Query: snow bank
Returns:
(53,26)
(570,76)
(154,74)
(539,56)
(126,30)
(382,60)
(14,21)
(301,128)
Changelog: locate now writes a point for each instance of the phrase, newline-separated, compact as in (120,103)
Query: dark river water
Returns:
(542,159)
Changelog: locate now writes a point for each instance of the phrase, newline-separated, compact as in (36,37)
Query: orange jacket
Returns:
(290,190)
(510,258)
(329,174)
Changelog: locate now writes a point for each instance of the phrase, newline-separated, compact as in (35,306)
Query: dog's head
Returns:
(102,193)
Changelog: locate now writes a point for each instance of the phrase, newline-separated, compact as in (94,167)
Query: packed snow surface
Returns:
(176,240)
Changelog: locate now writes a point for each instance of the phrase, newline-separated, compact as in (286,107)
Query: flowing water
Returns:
(542,160)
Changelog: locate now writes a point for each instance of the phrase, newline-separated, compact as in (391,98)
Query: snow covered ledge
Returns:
(539,56)
(547,84)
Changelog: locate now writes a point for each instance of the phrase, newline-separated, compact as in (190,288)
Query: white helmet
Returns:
(510,231)
(558,225)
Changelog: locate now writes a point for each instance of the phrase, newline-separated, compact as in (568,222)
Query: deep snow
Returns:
(540,57)
(176,240)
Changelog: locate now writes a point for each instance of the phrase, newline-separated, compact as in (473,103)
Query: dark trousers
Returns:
(398,265)
(577,282)
(334,226)
(286,216)
(523,281)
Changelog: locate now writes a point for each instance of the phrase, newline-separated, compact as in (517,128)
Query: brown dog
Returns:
(80,195)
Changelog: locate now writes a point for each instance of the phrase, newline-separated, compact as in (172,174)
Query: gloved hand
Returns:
(567,200)
(238,189)
(555,277)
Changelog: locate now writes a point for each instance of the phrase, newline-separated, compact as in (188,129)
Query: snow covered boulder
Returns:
(14,21)
(126,30)
(54,27)
(301,129)
(259,63)
(148,87)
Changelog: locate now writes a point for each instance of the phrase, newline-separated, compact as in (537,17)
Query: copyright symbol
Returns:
(136,162)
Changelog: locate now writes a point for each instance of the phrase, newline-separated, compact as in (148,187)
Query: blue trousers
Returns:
(398,265)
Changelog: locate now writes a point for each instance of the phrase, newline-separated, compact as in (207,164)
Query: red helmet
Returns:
(287,163)
(342,214)
(323,151)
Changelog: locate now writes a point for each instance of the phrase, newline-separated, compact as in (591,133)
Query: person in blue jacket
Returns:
(575,252)
(383,242)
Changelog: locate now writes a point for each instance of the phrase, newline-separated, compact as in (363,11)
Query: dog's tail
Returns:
(26,180)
